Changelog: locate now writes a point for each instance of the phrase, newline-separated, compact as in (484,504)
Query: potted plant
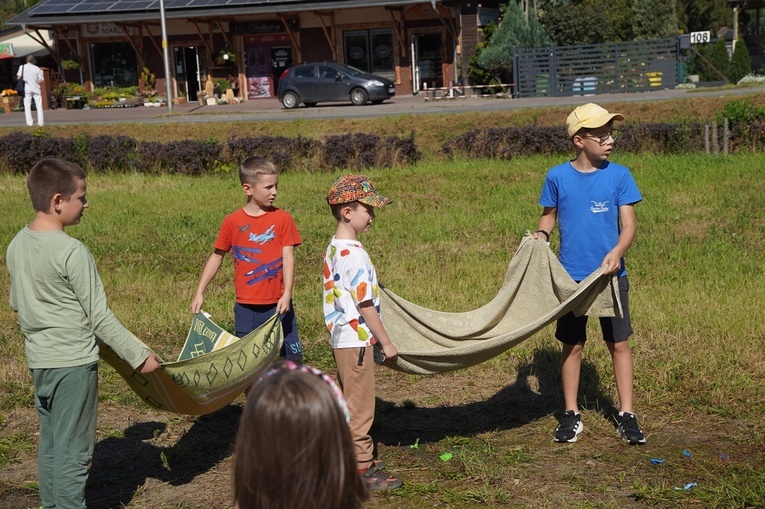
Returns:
(70,64)
(76,96)
(149,80)
(9,100)
(181,99)
(226,57)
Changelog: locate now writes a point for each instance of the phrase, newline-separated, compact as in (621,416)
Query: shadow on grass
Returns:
(122,465)
(535,393)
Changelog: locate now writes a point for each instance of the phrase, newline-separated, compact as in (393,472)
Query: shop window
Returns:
(371,51)
(114,64)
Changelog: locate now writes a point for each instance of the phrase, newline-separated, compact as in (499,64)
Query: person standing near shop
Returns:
(33,77)
(234,82)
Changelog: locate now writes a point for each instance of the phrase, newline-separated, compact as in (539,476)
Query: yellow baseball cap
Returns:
(589,116)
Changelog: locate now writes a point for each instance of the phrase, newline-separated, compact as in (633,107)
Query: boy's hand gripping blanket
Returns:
(214,367)
(537,291)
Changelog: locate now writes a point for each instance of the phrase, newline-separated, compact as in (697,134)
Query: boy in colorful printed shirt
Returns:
(593,201)
(352,315)
(262,240)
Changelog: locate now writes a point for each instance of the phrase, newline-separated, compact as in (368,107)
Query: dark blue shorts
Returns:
(248,317)
(572,329)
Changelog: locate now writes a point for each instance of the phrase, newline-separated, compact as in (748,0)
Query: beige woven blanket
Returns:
(536,291)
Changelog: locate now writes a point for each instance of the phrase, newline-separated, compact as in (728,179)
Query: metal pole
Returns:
(168,88)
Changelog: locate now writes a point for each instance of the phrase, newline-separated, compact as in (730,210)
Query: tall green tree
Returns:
(700,15)
(514,31)
(577,22)
(654,19)
(712,62)
(740,63)
(477,75)
(11,8)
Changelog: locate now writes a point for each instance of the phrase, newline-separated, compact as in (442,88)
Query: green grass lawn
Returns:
(445,242)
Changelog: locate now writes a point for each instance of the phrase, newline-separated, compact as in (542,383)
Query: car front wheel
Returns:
(359,96)
(290,100)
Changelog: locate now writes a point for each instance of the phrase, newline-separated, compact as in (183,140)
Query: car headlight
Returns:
(377,83)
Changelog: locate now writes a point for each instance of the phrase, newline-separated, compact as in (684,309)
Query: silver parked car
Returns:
(327,81)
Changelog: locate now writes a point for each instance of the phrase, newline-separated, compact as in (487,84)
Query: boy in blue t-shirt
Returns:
(593,201)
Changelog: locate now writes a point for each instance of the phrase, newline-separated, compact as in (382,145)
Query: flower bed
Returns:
(112,104)
(10,103)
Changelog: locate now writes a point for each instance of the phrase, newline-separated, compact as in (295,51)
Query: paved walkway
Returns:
(272,110)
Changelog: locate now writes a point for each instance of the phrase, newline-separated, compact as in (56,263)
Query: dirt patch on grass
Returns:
(477,436)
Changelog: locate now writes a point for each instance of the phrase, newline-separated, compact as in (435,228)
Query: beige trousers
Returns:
(358,386)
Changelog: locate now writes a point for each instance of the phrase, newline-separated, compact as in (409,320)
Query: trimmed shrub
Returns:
(280,150)
(150,155)
(350,151)
(188,157)
(506,143)
(20,151)
(399,151)
(112,153)
(740,63)
(360,150)
(662,138)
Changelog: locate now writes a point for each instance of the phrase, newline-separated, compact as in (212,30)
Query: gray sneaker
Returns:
(569,428)
(629,429)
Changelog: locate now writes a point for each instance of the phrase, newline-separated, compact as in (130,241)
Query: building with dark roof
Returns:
(412,42)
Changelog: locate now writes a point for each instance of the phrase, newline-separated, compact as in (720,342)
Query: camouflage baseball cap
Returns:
(350,188)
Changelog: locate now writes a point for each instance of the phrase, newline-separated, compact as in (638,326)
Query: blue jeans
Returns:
(248,317)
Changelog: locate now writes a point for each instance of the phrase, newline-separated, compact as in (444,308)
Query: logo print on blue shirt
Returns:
(597,207)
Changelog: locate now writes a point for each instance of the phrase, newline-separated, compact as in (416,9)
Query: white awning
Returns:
(17,44)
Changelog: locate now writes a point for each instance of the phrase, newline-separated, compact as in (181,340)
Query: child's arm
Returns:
(87,286)
(151,363)
(613,259)
(288,278)
(376,327)
(208,273)
(546,223)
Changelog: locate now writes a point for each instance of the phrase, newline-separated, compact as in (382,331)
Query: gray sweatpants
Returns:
(67,403)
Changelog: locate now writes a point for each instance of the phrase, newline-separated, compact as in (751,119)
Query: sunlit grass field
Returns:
(696,272)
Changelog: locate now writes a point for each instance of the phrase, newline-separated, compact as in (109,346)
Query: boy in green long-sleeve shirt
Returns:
(62,312)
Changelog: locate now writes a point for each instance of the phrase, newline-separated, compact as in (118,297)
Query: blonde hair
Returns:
(253,167)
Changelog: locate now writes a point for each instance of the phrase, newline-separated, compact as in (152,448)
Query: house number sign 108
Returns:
(700,37)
